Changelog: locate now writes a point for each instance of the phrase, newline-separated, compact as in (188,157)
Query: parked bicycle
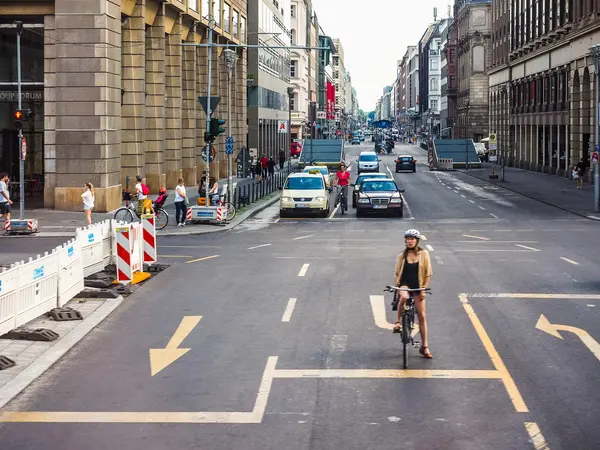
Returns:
(129,212)
(408,317)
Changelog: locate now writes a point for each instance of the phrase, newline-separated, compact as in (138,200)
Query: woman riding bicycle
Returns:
(413,271)
(342,179)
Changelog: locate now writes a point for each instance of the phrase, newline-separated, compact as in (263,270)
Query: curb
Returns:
(247,215)
(577,213)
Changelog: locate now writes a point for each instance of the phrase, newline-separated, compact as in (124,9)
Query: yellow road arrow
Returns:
(553,329)
(163,357)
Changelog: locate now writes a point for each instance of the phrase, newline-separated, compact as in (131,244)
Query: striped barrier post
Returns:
(7,226)
(220,214)
(124,248)
(149,234)
(188,214)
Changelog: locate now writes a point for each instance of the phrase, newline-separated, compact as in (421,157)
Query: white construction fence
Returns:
(30,289)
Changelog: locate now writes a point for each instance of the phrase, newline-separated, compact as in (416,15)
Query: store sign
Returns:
(12,96)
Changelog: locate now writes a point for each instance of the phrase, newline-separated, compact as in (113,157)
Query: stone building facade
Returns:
(542,83)
(474,25)
(121,92)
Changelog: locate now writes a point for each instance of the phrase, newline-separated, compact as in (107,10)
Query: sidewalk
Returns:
(550,189)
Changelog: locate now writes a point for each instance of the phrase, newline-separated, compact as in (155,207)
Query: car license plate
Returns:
(302,205)
(380,206)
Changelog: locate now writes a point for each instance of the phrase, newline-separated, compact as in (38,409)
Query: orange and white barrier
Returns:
(188,214)
(149,236)
(129,251)
(220,214)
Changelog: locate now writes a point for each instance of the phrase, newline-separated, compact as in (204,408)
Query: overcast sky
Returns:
(375,34)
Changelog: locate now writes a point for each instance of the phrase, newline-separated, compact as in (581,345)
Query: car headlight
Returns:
(396,200)
(287,199)
(363,200)
(319,199)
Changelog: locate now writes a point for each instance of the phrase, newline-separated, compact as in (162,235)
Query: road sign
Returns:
(213,153)
(598,148)
(321,115)
(23,149)
(595,157)
(282,126)
(214,102)
(229,140)
(229,145)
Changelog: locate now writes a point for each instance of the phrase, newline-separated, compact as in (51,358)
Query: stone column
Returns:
(88,102)
(155,102)
(133,96)
(188,113)
(173,111)
(49,111)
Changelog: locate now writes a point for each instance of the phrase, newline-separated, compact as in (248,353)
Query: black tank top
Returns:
(410,275)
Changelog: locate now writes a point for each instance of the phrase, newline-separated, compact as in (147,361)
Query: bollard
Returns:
(149,235)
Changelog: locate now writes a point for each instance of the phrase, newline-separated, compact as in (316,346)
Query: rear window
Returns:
(367,157)
(407,159)
(383,185)
(365,177)
(304,183)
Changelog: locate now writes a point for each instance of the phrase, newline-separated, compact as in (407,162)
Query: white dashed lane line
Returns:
(303,270)
(287,314)
(570,261)
(429,247)
(528,248)
(481,207)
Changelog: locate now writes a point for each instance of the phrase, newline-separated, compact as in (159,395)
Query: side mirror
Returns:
(352,184)
(280,188)
(401,190)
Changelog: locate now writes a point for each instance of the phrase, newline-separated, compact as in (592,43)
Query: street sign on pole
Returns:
(595,157)
(229,145)
(212,153)
(23,149)
(214,102)
(282,126)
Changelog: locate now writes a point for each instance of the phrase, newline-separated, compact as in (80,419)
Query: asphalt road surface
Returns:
(294,351)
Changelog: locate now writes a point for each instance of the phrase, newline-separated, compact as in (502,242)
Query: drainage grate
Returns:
(6,362)
(64,314)
(29,334)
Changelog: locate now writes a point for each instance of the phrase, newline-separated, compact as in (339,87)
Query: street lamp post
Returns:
(595,52)
(290,92)
(467,104)
(230,59)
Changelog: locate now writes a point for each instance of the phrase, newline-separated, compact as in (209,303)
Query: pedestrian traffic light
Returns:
(215,127)
(21,115)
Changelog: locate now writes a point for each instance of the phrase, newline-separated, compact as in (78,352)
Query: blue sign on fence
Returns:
(0,285)
(70,251)
(38,273)
(91,237)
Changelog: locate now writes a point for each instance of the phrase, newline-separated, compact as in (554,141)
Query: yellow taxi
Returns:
(304,193)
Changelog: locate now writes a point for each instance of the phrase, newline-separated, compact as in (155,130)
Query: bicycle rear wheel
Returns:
(124,215)
(161,219)
(406,330)
(230,211)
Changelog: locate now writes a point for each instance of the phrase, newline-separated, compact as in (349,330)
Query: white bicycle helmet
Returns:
(412,233)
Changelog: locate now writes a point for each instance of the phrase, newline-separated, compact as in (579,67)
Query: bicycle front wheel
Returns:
(230,211)
(406,330)
(161,219)
(124,215)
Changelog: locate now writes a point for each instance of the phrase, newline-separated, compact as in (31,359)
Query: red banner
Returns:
(330,107)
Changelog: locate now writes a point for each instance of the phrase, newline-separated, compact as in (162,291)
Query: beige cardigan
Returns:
(424,267)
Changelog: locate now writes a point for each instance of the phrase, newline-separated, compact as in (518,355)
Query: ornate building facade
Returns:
(542,82)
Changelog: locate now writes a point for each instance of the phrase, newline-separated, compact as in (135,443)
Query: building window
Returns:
(193,4)
(293,37)
(293,103)
(205,8)
(226,17)
(434,105)
(217,12)
(293,68)
(434,64)
(236,23)
(433,84)
(293,11)
(452,55)
(243,29)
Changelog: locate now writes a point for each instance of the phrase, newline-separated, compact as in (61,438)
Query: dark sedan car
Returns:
(359,181)
(379,196)
(406,162)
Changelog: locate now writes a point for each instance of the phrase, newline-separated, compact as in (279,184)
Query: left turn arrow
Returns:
(160,358)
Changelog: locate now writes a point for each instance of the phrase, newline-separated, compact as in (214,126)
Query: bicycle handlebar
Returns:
(395,288)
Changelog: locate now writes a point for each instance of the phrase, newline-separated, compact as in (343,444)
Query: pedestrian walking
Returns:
(181,203)
(141,191)
(578,173)
(258,169)
(281,159)
(5,201)
(264,163)
(271,166)
(88,202)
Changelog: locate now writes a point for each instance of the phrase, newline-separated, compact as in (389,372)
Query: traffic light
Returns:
(215,127)
(20,115)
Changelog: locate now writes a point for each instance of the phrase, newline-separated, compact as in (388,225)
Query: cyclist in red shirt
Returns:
(342,179)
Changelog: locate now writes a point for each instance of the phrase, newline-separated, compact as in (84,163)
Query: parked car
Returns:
(355,140)
(380,196)
(295,149)
(359,181)
(406,162)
